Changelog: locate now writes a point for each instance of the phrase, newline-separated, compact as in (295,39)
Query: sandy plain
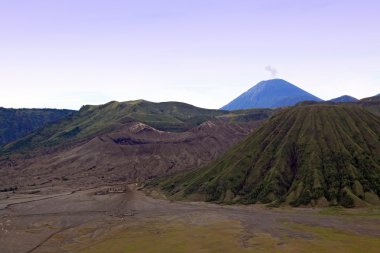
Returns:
(125,219)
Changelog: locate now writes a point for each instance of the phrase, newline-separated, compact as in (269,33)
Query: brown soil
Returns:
(51,222)
(133,153)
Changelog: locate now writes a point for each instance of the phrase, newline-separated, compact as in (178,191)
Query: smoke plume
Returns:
(272,71)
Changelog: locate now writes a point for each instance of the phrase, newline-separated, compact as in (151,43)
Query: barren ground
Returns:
(61,220)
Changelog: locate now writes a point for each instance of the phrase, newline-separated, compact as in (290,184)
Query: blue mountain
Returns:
(270,94)
(343,99)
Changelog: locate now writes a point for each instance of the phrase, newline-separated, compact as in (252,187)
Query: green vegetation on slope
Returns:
(16,123)
(248,115)
(308,154)
(93,120)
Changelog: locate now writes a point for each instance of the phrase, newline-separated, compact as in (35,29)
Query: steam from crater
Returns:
(272,71)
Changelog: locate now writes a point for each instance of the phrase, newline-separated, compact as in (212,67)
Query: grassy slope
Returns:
(93,120)
(311,154)
(16,123)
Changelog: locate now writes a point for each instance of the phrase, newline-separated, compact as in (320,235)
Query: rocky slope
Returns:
(133,152)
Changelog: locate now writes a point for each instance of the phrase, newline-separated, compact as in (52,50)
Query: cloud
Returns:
(272,71)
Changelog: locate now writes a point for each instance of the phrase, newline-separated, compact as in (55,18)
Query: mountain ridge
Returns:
(344,99)
(17,123)
(92,120)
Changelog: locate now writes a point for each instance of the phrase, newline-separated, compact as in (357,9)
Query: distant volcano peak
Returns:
(270,94)
(344,99)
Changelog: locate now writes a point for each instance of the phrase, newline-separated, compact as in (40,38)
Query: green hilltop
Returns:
(16,123)
(317,154)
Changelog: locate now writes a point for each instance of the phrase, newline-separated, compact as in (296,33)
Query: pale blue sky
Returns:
(66,53)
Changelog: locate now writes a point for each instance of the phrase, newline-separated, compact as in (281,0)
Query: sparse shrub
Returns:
(346,201)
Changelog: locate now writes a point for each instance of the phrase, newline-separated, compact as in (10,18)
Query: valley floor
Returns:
(99,220)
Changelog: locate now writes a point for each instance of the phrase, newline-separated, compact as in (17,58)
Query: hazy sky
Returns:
(66,53)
